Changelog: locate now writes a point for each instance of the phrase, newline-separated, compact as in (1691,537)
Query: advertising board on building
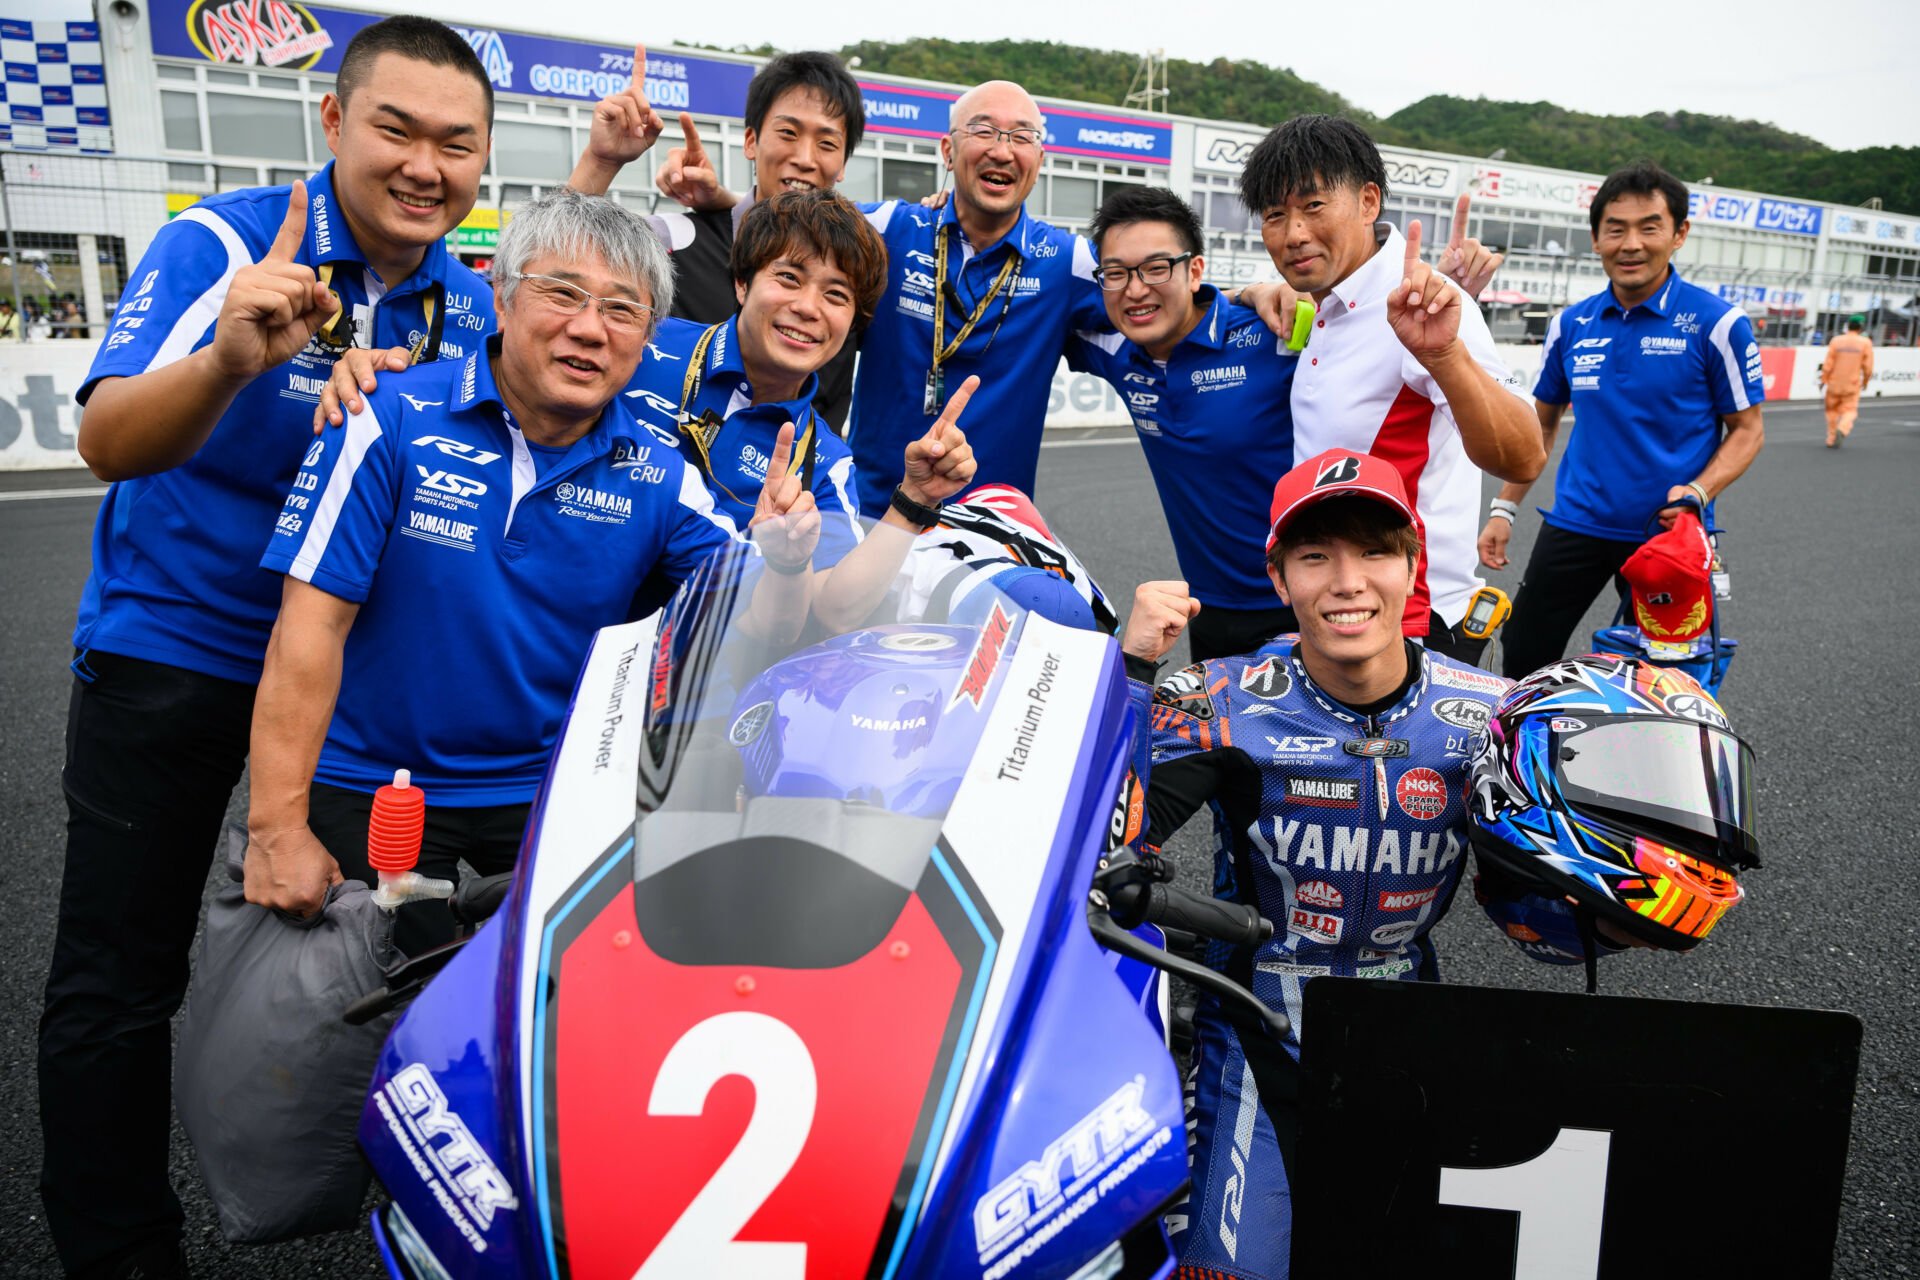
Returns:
(1872,227)
(1522,187)
(919,112)
(1758,213)
(1226,151)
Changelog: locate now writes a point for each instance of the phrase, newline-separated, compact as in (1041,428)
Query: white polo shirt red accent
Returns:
(1357,388)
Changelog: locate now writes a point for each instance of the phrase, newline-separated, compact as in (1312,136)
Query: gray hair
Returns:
(570,226)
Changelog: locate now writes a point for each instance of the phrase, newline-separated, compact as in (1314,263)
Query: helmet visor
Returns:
(1692,779)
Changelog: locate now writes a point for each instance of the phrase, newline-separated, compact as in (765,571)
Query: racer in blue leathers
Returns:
(1336,765)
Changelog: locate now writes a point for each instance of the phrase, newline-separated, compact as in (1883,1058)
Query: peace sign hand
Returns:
(625,125)
(1467,261)
(687,175)
(786,523)
(273,306)
(940,463)
(1424,310)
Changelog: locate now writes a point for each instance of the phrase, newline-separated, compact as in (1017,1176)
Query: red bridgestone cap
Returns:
(1334,474)
(1671,577)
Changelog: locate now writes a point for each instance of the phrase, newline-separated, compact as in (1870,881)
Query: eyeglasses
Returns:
(619,314)
(987,135)
(1151,272)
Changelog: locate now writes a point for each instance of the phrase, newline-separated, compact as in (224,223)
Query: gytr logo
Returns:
(457,449)
(447,482)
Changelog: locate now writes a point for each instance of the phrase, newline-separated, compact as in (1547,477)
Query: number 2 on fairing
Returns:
(771,1055)
(1560,1195)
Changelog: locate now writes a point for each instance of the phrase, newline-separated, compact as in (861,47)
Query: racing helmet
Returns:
(1619,783)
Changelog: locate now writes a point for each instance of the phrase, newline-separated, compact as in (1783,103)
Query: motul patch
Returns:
(1406,899)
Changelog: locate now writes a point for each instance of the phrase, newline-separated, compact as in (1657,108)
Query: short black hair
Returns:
(410,36)
(1363,521)
(1305,154)
(1641,178)
(823,73)
(1128,205)
(1856,324)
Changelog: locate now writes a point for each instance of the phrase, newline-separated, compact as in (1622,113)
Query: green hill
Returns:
(1734,153)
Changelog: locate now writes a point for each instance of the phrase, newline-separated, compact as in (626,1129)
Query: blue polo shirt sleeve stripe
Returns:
(1731,391)
(701,530)
(1551,386)
(840,530)
(182,284)
(338,547)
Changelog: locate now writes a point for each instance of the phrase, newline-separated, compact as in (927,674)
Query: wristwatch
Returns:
(918,514)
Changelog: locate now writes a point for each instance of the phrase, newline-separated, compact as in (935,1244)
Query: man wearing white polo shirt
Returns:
(1399,364)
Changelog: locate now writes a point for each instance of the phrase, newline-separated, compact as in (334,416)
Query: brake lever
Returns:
(1111,936)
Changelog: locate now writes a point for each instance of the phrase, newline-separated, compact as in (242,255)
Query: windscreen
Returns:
(1691,777)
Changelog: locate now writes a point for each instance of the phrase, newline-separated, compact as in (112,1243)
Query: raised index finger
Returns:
(693,137)
(956,404)
(293,227)
(640,67)
(782,454)
(1459,220)
(1413,242)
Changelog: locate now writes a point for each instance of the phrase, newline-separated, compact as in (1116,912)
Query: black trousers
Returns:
(1564,574)
(488,838)
(153,754)
(1220,633)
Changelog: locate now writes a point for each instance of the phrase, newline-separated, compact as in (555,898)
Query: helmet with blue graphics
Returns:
(1618,783)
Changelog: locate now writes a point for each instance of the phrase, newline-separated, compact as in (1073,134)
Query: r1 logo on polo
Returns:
(1422,794)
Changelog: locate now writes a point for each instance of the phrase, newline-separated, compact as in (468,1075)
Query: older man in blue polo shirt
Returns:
(1666,383)
(449,555)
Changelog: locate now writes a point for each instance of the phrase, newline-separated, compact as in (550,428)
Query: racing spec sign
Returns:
(287,36)
(917,112)
(1226,151)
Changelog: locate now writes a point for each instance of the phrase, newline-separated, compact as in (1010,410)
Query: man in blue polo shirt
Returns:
(197,408)
(1666,383)
(975,288)
(1207,384)
(450,553)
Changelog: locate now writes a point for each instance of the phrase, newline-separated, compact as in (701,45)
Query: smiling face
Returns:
(994,176)
(558,364)
(1348,596)
(1636,239)
(1156,316)
(1321,236)
(794,315)
(409,149)
(800,146)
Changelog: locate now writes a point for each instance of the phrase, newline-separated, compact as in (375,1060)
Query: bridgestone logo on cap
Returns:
(1339,471)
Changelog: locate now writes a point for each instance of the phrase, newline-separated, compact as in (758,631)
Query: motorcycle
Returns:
(819,960)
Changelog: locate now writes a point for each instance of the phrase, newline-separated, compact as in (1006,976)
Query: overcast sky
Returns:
(1848,79)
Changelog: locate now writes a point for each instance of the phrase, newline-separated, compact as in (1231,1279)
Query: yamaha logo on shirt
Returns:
(597,505)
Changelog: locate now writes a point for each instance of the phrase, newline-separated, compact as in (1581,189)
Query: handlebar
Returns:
(1229,922)
(478,897)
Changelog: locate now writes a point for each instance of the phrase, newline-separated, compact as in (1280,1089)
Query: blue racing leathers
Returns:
(1347,828)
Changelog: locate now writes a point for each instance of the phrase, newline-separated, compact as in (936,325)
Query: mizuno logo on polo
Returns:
(418,403)
(440,527)
(458,449)
(447,482)
(1339,848)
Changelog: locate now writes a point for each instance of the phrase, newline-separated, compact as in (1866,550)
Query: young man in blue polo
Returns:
(196,408)
(1666,380)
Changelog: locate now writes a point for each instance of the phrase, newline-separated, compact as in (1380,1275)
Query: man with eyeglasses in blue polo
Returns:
(977,288)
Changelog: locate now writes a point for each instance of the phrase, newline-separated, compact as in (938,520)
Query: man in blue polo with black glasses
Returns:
(197,408)
(1666,382)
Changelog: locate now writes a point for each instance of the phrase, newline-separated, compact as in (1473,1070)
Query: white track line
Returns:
(38,495)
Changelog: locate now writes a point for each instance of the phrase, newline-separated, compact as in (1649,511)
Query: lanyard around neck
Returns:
(704,429)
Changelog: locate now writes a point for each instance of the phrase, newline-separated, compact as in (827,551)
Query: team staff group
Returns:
(274,570)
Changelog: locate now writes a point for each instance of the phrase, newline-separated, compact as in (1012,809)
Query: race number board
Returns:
(1467,1131)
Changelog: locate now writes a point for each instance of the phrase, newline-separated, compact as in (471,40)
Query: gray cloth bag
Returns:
(268,1081)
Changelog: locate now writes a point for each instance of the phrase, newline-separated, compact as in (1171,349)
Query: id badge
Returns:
(935,384)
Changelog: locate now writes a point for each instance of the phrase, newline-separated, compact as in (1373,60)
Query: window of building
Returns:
(862,178)
(180,121)
(522,149)
(903,179)
(253,126)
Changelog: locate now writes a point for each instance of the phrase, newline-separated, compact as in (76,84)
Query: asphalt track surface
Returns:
(1822,546)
